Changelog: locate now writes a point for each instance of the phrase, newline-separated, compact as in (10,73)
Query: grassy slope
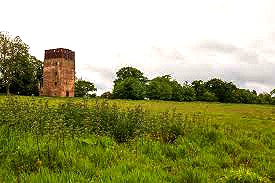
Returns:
(237,143)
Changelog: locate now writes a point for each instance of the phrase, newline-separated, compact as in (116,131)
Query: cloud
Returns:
(242,54)
(247,67)
(230,39)
(171,54)
(102,77)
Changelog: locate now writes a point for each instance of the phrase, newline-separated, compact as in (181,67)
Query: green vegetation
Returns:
(131,84)
(80,140)
(20,73)
(84,88)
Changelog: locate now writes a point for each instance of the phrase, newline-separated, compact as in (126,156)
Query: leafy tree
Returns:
(160,88)
(130,84)
(127,72)
(177,91)
(26,82)
(222,90)
(209,96)
(107,95)
(265,98)
(19,71)
(7,62)
(199,88)
(244,96)
(84,88)
(129,88)
(188,93)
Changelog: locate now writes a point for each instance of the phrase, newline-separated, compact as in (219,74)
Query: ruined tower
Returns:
(58,73)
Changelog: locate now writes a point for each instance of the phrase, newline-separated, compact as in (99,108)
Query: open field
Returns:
(77,140)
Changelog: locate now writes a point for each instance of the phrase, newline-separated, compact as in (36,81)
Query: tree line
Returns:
(21,74)
(132,84)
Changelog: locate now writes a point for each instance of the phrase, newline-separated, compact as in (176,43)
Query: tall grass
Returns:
(78,142)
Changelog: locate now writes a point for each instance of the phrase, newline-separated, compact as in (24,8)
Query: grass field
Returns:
(89,140)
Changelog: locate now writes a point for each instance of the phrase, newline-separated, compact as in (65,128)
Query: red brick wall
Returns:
(58,73)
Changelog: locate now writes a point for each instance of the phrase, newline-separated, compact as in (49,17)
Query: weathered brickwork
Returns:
(58,73)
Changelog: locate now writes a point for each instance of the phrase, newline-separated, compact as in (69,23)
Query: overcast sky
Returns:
(233,40)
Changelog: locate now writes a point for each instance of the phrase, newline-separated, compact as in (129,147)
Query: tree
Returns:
(6,60)
(160,88)
(222,90)
(265,98)
(27,81)
(244,96)
(209,97)
(19,71)
(130,72)
(177,91)
(130,84)
(107,95)
(199,88)
(84,88)
(129,88)
(188,92)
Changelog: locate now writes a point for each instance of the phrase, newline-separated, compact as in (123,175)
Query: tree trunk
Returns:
(8,89)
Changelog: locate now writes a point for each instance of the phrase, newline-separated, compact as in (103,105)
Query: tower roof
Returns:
(59,53)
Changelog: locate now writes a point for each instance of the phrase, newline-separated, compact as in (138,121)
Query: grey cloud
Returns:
(107,75)
(104,72)
(242,54)
(259,73)
(218,47)
(249,66)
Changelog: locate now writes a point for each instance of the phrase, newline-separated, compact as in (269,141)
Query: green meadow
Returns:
(94,140)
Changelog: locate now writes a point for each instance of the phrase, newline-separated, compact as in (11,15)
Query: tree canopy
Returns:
(130,72)
(130,84)
(20,72)
(84,88)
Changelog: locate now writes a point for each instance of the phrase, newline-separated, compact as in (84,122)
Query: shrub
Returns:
(243,175)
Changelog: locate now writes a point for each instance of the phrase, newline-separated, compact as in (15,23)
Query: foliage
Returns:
(244,175)
(199,88)
(188,93)
(130,84)
(84,88)
(81,140)
(129,72)
(208,96)
(221,89)
(264,98)
(243,96)
(164,88)
(107,95)
(129,88)
(27,81)
(160,88)
(20,72)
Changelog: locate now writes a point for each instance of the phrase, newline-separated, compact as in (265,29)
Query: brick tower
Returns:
(58,73)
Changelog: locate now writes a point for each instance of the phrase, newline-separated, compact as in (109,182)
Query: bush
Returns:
(243,175)
(208,96)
